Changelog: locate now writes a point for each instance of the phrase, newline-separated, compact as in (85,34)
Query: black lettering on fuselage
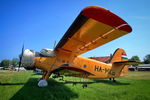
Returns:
(105,70)
(97,68)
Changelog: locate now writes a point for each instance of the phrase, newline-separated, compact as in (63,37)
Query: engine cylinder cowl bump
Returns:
(48,52)
(28,58)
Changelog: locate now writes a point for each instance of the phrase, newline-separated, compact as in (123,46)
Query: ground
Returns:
(23,86)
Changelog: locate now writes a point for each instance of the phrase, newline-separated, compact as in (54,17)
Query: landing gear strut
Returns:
(43,81)
(114,80)
(110,79)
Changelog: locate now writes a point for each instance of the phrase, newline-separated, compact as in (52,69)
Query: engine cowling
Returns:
(48,52)
(28,58)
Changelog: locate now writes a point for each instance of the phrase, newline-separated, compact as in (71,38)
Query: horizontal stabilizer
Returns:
(128,62)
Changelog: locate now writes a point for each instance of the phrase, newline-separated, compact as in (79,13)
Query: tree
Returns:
(15,61)
(147,59)
(5,63)
(135,58)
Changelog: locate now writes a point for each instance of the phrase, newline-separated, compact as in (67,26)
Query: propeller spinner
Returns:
(26,58)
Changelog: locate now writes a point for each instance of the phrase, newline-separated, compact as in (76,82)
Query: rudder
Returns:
(119,55)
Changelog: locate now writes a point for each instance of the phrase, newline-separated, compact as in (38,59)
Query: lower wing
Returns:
(71,71)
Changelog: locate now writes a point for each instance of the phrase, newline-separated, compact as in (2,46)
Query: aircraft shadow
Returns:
(96,81)
(106,81)
(55,91)
(12,83)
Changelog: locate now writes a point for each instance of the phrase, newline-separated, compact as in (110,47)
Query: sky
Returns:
(39,23)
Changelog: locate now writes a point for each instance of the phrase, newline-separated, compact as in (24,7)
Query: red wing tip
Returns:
(94,7)
(105,16)
(126,28)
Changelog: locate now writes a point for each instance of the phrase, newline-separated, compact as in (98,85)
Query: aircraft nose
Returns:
(28,58)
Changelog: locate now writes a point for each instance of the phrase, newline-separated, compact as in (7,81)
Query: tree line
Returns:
(15,61)
(146,59)
(6,63)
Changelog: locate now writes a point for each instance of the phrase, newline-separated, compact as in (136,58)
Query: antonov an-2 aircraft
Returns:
(93,27)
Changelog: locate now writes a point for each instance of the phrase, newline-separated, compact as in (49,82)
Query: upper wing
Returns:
(93,27)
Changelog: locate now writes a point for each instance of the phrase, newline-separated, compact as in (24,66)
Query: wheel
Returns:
(42,83)
(114,80)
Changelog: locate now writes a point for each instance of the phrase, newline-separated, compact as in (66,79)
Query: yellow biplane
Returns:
(93,27)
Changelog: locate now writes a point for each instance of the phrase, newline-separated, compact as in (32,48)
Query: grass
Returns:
(23,86)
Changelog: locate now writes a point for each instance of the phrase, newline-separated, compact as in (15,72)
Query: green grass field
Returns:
(23,86)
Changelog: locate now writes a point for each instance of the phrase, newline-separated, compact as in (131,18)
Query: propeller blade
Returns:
(20,58)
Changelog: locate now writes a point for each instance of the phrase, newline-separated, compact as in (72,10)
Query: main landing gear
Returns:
(42,82)
(113,79)
(84,85)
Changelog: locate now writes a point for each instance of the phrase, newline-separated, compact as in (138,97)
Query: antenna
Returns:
(54,45)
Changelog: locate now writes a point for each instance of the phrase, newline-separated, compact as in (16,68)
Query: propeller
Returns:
(20,57)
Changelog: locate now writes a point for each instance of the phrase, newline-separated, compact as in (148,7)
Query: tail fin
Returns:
(120,62)
(118,56)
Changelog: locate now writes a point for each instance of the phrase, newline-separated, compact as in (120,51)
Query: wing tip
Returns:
(105,16)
